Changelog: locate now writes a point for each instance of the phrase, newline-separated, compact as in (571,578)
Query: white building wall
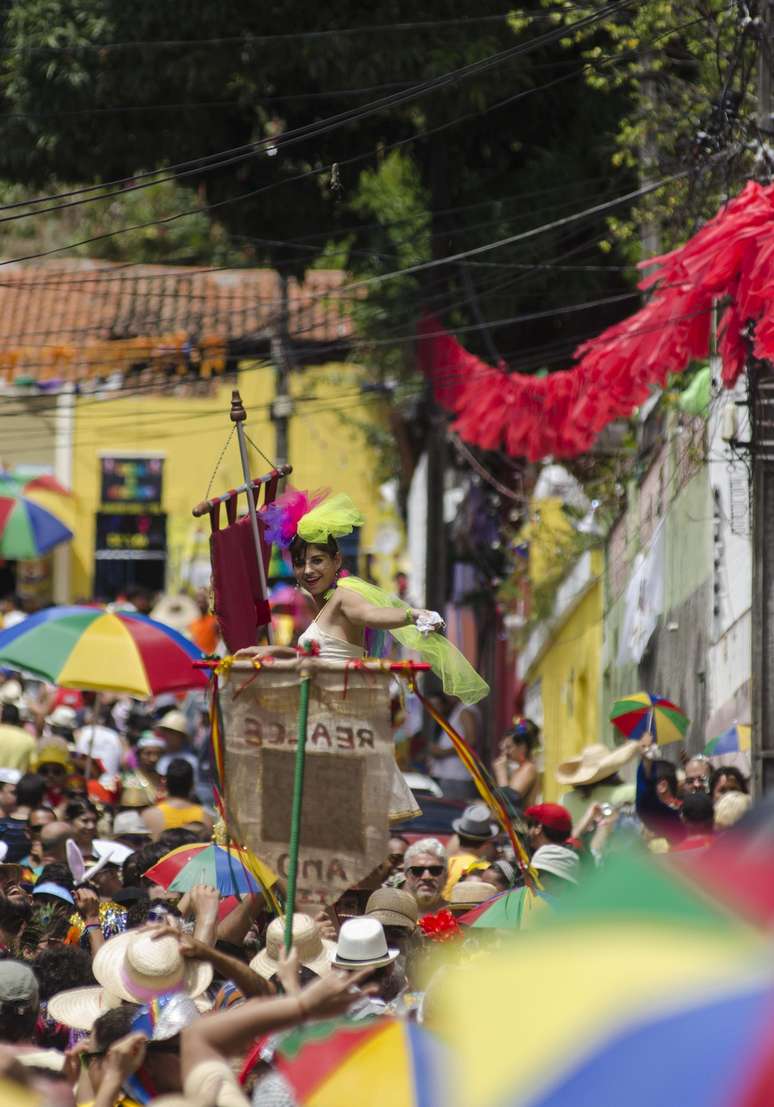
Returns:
(730,657)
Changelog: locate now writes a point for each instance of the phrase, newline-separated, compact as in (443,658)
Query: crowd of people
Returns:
(114,990)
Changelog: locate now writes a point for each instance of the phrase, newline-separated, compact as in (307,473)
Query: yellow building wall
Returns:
(548,532)
(569,671)
(327,449)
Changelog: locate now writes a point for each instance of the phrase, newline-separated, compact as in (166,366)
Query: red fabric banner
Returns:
(730,261)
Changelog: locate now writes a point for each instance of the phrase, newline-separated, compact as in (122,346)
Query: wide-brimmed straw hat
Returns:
(79,1008)
(314,951)
(595,763)
(138,967)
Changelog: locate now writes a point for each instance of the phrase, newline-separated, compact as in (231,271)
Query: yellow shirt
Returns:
(16,747)
(457,865)
(180,816)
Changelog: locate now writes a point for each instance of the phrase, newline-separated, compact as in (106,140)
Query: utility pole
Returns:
(761,391)
(282,406)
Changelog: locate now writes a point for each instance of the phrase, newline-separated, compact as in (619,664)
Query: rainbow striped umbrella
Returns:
(641,714)
(734,740)
(601,1015)
(232,871)
(102,651)
(384,1062)
(29,524)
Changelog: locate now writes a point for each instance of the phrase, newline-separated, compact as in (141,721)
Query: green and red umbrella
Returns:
(643,713)
(30,525)
(102,651)
(510,910)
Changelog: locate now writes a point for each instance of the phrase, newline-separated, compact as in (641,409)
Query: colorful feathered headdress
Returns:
(315,517)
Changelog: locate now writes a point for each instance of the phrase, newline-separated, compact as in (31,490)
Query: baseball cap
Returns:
(552,815)
(18,984)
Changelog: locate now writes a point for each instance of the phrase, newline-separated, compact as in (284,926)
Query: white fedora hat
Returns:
(362,945)
(314,952)
(138,967)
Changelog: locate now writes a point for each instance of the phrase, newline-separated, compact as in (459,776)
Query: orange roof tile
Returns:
(78,318)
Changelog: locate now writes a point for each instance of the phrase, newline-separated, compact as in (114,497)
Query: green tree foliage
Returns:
(101,90)
(686,71)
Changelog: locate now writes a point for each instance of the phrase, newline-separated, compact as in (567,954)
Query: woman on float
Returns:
(346,606)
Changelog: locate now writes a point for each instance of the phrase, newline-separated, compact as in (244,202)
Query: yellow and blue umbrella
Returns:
(30,516)
(633,972)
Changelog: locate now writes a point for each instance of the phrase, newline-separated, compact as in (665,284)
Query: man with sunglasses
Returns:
(426,867)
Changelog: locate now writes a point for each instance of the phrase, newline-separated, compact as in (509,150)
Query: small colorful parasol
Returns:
(734,740)
(30,524)
(512,910)
(384,1062)
(232,871)
(103,651)
(641,714)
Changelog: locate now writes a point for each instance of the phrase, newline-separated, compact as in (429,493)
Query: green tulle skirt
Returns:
(452,668)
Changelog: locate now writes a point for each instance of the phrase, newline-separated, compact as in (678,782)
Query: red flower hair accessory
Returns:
(440,927)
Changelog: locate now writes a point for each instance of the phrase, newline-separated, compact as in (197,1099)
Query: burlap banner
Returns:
(349,771)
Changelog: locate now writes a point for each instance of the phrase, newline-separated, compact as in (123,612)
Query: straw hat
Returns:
(467,894)
(314,952)
(595,763)
(79,1008)
(174,720)
(138,967)
(393,907)
(136,795)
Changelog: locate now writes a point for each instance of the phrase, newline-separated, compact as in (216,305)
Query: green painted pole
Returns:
(295,815)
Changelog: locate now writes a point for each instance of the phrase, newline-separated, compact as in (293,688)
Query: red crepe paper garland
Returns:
(730,261)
